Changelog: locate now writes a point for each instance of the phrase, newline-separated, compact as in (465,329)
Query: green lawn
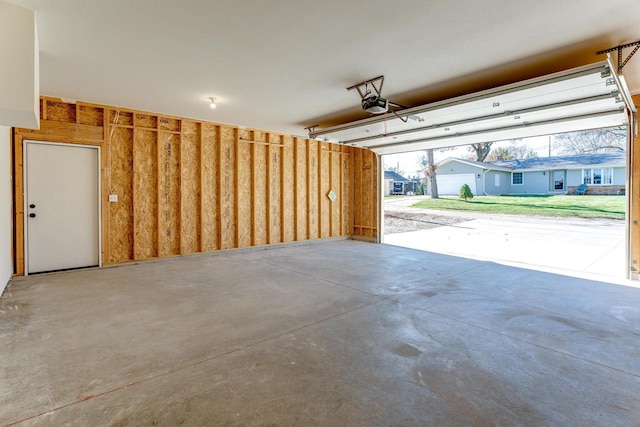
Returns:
(559,206)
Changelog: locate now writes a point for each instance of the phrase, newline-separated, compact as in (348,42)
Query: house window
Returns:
(497,180)
(597,176)
(517,178)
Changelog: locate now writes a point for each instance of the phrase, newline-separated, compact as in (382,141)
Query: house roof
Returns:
(577,161)
(480,165)
(394,176)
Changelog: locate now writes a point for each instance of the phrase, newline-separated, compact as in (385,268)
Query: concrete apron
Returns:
(593,249)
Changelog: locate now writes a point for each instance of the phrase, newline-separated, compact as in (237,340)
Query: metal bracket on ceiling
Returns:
(311,129)
(622,63)
(363,87)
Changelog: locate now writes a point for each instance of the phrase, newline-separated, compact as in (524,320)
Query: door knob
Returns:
(32,206)
(32,215)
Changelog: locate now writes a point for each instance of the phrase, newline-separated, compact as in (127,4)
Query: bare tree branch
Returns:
(591,141)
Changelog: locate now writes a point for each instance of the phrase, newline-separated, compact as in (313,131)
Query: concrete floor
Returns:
(337,333)
(587,248)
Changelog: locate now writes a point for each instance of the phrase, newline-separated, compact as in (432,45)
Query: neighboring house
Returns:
(396,184)
(603,173)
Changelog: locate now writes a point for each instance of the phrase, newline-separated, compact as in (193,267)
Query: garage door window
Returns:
(517,178)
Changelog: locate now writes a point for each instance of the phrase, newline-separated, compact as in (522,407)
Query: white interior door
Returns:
(61,207)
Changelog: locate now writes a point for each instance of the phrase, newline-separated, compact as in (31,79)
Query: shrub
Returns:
(465,192)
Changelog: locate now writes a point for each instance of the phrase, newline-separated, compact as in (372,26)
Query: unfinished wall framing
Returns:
(187,186)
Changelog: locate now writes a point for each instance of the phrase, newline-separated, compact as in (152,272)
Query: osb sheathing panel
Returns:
(244,194)
(275,192)
(185,186)
(59,111)
(288,188)
(323,199)
(347,191)
(336,206)
(301,195)
(145,120)
(365,204)
(120,182)
(313,181)
(168,194)
(89,115)
(120,117)
(210,191)
(145,194)
(227,188)
(260,194)
(190,168)
(170,124)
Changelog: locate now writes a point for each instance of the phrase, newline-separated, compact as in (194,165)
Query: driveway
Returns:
(590,248)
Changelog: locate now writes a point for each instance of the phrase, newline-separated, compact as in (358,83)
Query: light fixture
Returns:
(213,102)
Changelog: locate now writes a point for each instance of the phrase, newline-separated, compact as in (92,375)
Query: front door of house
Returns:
(558,180)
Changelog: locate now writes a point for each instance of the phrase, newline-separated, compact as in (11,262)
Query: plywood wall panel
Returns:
(260,205)
(288,189)
(120,117)
(145,194)
(59,111)
(89,115)
(347,191)
(170,124)
(244,195)
(228,221)
(313,182)
(324,187)
(275,190)
(120,182)
(301,188)
(190,188)
(169,202)
(145,120)
(186,186)
(209,189)
(365,192)
(336,206)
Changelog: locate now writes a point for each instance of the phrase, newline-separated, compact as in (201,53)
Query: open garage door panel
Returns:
(582,98)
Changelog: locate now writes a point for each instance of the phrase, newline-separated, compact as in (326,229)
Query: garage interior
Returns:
(236,277)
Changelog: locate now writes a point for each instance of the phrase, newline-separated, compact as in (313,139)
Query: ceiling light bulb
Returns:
(213,102)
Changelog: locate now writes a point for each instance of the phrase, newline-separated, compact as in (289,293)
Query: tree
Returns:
(511,152)
(431,174)
(429,166)
(591,141)
(481,150)
(465,192)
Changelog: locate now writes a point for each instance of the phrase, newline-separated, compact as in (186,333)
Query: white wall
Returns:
(6,224)
(19,68)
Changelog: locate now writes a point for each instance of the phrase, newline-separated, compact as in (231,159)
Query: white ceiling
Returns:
(283,65)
